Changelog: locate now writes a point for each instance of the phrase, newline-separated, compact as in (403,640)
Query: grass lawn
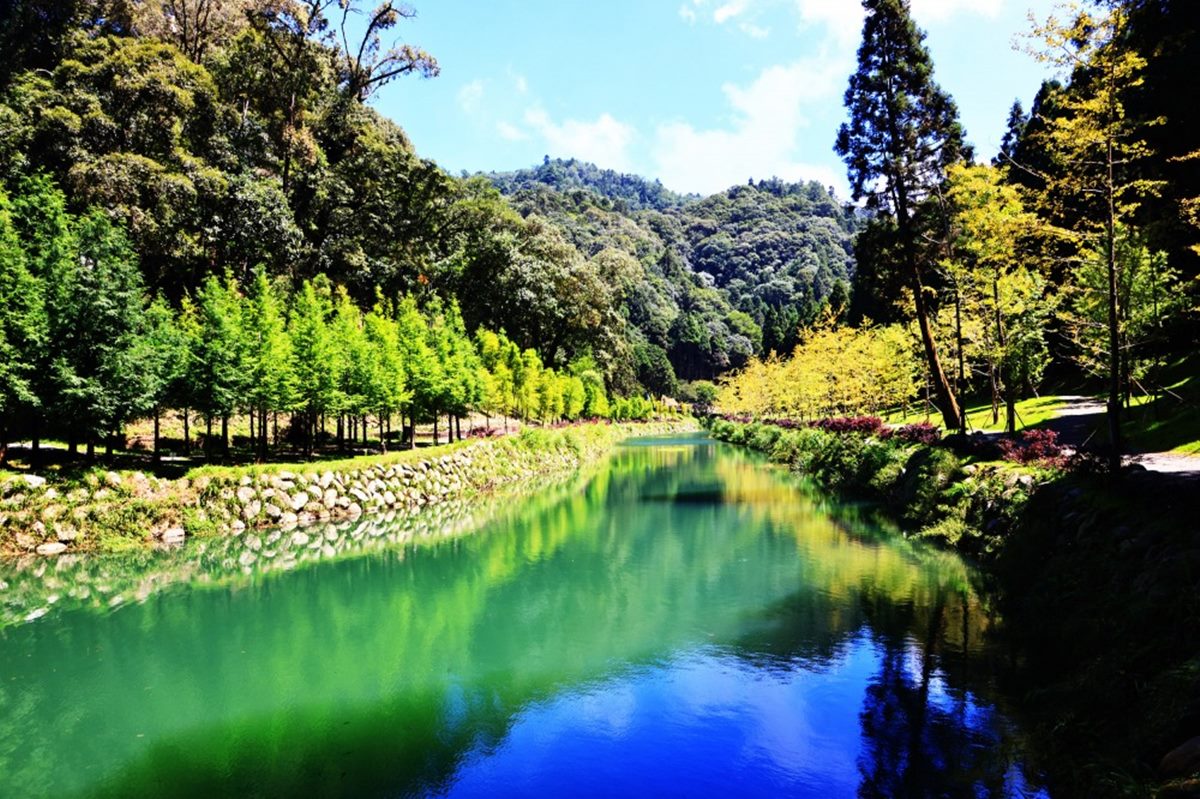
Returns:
(1171,421)
(1030,413)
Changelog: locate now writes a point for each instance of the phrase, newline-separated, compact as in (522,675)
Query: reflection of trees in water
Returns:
(925,733)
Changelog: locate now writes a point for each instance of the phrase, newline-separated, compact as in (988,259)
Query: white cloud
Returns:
(843,18)
(926,11)
(518,80)
(604,141)
(763,136)
(510,132)
(729,10)
(687,14)
(470,96)
(754,31)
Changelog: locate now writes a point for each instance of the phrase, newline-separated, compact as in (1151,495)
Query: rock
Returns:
(389,498)
(328,551)
(247,558)
(33,481)
(246,480)
(252,509)
(253,543)
(289,519)
(299,500)
(299,539)
(326,480)
(36,614)
(25,540)
(330,498)
(52,512)
(65,532)
(272,510)
(237,525)
(39,529)
(354,510)
(53,548)
(245,494)
(173,535)
(285,475)
(1182,761)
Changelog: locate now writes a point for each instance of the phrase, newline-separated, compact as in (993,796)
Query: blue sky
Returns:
(702,94)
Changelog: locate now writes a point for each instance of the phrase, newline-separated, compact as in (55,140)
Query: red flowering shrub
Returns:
(920,433)
(865,425)
(1034,446)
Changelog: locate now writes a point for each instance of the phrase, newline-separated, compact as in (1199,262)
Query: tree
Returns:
(94,306)
(269,376)
(314,357)
(217,355)
(22,325)
(902,135)
(1007,296)
(1097,150)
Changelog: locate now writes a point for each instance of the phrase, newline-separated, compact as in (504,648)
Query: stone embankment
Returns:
(108,511)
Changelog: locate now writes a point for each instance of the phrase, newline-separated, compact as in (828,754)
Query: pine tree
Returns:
(902,135)
(313,355)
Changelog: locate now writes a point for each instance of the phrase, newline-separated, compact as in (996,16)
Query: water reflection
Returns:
(683,622)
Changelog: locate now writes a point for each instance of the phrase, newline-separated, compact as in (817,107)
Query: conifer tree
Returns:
(902,135)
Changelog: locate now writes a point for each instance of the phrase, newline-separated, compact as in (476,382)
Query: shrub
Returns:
(1034,446)
(865,425)
(920,433)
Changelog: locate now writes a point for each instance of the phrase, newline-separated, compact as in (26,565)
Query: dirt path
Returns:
(1077,424)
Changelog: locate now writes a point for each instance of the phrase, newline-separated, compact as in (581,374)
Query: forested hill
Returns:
(771,253)
(249,143)
(627,192)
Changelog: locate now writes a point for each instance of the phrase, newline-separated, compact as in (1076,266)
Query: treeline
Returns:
(85,349)
(836,370)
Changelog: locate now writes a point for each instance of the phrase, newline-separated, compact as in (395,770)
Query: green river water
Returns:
(683,620)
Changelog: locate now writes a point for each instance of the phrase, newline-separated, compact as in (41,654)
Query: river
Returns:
(684,620)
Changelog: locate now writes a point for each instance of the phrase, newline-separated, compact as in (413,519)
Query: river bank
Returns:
(113,512)
(1098,580)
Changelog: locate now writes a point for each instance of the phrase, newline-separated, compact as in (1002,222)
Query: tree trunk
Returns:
(225,435)
(458,427)
(1114,326)
(187,436)
(435,430)
(91,448)
(253,438)
(35,444)
(157,455)
(208,437)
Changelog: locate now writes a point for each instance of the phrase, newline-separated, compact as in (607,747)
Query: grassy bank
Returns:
(123,511)
(1098,579)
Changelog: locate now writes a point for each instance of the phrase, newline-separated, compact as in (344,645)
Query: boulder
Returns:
(173,535)
(299,500)
(1182,761)
(33,481)
(289,519)
(299,539)
(247,558)
(272,510)
(245,493)
(52,548)
(252,509)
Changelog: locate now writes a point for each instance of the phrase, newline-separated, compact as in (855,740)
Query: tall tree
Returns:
(1097,150)
(902,135)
